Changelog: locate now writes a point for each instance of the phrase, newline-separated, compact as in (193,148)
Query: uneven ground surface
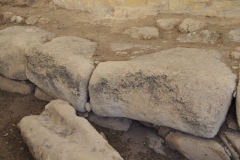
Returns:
(132,145)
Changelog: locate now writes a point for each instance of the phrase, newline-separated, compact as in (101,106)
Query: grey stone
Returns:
(62,68)
(232,121)
(167,89)
(234,139)
(191,25)
(156,143)
(44,21)
(204,36)
(7,15)
(119,124)
(125,46)
(58,134)
(31,20)
(40,94)
(167,23)
(22,87)
(232,37)
(88,107)
(13,43)
(195,148)
(19,20)
(235,55)
(142,32)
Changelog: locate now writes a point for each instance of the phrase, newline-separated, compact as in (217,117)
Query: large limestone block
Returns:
(195,148)
(58,134)
(182,88)
(62,68)
(13,43)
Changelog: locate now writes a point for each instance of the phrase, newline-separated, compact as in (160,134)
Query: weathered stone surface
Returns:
(142,32)
(58,134)
(62,68)
(235,55)
(168,23)
(7,15)
(40,94)
(31,20)
(232,37)
(155,142)
(21,87)
(164,88)
(194,148)
(232,151)
(124,46)
(119,124)
(13,43)
(234,139)
(204,36)
(191,25)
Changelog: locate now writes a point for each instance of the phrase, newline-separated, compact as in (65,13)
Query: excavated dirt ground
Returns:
(132,145)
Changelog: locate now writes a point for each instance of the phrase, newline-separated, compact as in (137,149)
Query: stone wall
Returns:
(139,8)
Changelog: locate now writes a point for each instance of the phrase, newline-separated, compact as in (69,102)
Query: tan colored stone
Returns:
(191,25)
(163,88)
(195,148)
(234,139)
(22,87)
(58,134)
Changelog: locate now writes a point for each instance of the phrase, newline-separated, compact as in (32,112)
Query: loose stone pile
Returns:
(185,89)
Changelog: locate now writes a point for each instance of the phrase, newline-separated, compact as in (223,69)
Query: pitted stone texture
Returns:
(142,32)
(171,88)
(62,68)
(194,148)
(58,134)
(167,23)
(233,37)
(22,87)
(191,25)
(40,94)
(205,36)
(119,124)
(13,43)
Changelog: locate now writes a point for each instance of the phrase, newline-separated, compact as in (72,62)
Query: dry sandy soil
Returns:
(132,145)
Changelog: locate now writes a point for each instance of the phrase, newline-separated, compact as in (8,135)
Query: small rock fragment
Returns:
(167,23)
(44,20)
(31,20)
(155,142)
(142,32)
(119,124)
(235,55)
(19,20)
(88,107)
(204,36)
(191,25)
(7,15)
(232,122)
